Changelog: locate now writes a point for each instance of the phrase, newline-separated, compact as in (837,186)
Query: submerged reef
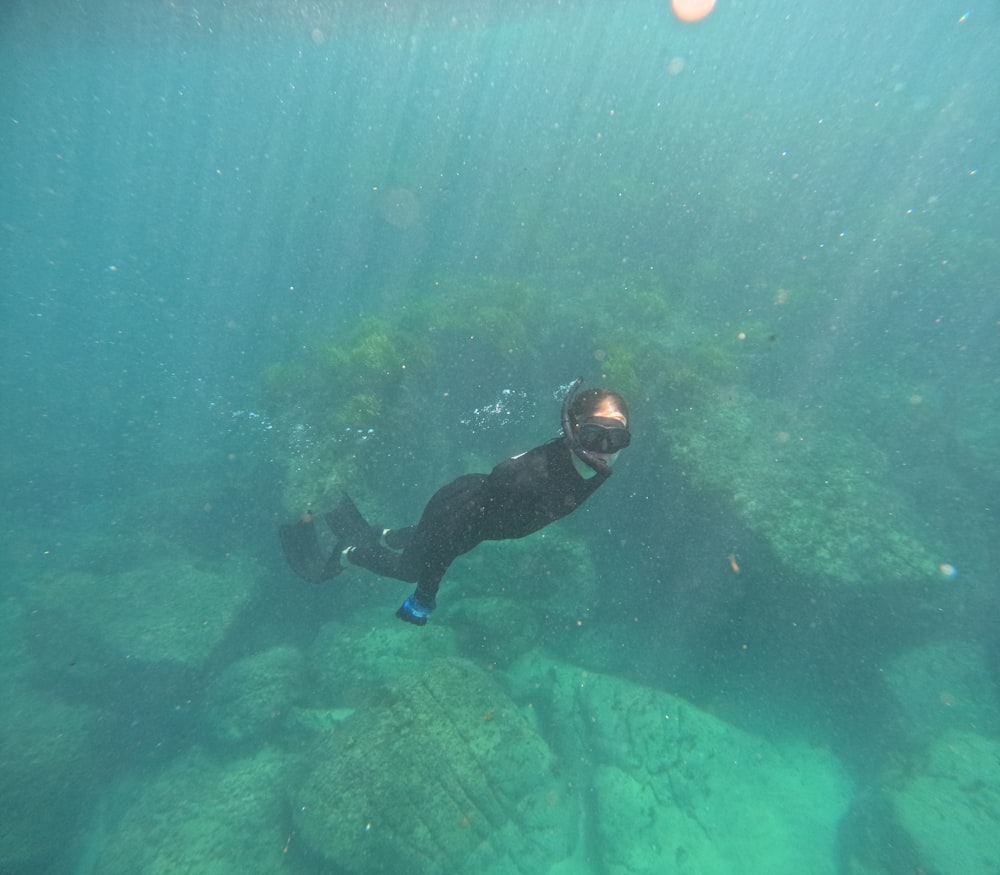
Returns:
(165,614)
(669,787)
(614,694)
(932,810)
(47,763)
(245,704)
(199,814)
(819,494)
(469,744)
(441,773)
(446,765)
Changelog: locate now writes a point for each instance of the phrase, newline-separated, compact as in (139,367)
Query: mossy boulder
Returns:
(348,660)
(248,701)
(351,396)
(667,787)
(949,808)
(943,685)
(169,609)
(933,809)
(820,495)
(441,773)
(47,763)
(201,814)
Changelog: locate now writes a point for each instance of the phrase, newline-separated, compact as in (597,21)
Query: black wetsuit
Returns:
(520,496)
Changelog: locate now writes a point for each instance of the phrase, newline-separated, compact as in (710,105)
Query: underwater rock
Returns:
(932,810)
(348,660)
(495,604)
(666,787)
(47,764)
(199,815)
(553,571)
(250,698)
(168,610)
(347,402)
(504,597)
(440,773)
(305,722)
(495,630)
(944,685)
(819,494)
(950,809)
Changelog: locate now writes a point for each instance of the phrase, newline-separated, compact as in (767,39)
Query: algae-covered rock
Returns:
(201,815)
(669,788)
(951,809)
(46,763)
(167,609)
(934,811)
(441,773)
(819,494)
(493,630)
(551,570)
(944,685)
(347,402)
(48,754)
(250,698)
(496,603)
(504,597)
(347,661)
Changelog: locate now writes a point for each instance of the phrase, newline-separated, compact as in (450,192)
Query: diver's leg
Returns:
(446,529)
(347,523)
(402,553)
(383,561)
(397,539)
(449,526)
(370,547)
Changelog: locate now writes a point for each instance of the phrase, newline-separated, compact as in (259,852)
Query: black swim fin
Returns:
(349,526)
(302,550)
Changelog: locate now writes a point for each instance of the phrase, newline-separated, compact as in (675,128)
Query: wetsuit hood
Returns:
(570,428)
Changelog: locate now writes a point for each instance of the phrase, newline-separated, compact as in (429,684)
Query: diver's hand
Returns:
(415,610)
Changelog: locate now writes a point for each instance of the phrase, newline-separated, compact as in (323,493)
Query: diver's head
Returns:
(595,424)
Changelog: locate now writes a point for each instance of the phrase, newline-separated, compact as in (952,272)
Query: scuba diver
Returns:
(520,496)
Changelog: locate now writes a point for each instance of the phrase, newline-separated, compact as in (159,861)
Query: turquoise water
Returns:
(257,254)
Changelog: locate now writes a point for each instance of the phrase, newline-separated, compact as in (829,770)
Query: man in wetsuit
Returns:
(520,496)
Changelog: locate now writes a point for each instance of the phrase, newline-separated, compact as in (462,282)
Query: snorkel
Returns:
(598,465)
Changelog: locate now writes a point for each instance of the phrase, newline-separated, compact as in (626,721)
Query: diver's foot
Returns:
(337,562)
(416,610)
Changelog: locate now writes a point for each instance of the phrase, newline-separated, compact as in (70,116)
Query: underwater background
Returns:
(254,255)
